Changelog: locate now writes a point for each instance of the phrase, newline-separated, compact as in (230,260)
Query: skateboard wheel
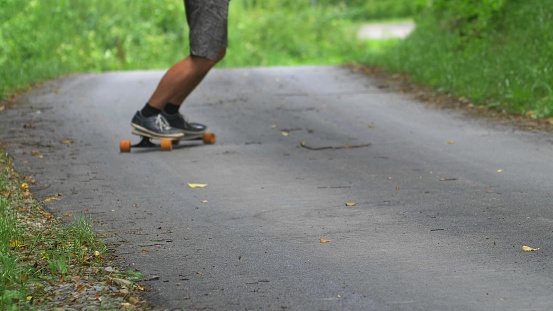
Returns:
(166,144)
(125,146)
(209,138)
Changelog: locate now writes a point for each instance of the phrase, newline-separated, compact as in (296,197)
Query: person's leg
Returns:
(208,41)
(179,82)
(208,21)
(181,79)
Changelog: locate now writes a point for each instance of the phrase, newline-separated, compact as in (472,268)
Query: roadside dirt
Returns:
(402,83)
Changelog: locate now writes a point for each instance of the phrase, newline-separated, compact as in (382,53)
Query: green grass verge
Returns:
(506,64)
(38,252)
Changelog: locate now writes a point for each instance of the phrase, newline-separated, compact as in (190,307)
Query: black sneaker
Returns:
(155,126)
(178,121)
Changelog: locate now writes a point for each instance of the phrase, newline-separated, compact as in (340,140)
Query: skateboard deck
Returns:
(166,144)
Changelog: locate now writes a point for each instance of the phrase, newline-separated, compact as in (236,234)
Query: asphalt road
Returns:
(444,203)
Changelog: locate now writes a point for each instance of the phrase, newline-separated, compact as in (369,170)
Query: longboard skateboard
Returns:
(166,144)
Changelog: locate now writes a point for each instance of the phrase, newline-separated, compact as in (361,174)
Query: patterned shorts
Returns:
(207,20)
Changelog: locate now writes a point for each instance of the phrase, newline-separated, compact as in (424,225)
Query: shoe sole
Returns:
(145,132)
(186,133)
(160,137)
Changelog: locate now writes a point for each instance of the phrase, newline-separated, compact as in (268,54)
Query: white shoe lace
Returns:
(162,124)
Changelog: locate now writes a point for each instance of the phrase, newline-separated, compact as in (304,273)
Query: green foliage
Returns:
(471,18)
(351,9)
(365,10)
(44,39)
(497,53)
(268,35)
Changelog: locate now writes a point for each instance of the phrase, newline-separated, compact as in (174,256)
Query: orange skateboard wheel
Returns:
(209,138)
(125,146)
(166,144)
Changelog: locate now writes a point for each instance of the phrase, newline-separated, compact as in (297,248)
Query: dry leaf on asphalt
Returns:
(197,185)
(50,200)
(324,240)
(529,249)
(67,141)
(351,204)
(37,154)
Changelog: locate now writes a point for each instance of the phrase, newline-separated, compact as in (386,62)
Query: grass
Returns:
(44,39)
(308,36)
(38,252)
(507,65)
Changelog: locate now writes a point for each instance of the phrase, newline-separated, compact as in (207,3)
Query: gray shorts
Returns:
(207,20)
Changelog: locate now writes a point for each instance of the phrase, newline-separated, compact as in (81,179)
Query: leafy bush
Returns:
(376,9)
(43,39)
(496,53)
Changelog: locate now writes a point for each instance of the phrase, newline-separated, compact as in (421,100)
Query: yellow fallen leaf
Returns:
(67,141)
(50,200)
(285,134)
(324,240)
(24,186)
(351,204)
(204,201)
(451,142)
(29,298)
(96,253)
(529,249)
(14,244)
(500,171)
(37,154)
(197,185)
(67,215)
